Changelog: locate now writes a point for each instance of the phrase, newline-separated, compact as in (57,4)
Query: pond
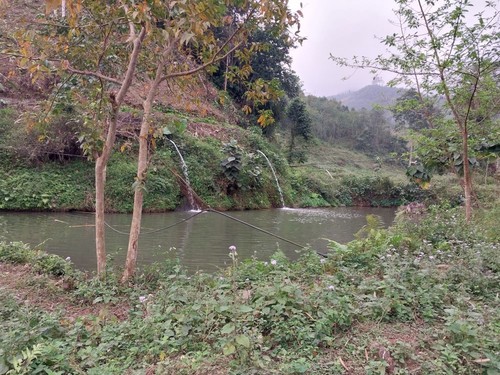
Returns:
(199,240)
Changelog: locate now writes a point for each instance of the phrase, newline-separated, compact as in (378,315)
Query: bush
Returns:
(43,263)
(51,186)
(16,253)
(50,264)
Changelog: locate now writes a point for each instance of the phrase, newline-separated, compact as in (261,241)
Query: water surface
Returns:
(201,243)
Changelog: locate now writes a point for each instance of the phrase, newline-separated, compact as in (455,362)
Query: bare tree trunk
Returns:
(142,165)
(102,160)
(135,226)
(225,74)
(410,161)
(467,176)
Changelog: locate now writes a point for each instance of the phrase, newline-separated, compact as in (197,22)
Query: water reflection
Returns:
(200,243)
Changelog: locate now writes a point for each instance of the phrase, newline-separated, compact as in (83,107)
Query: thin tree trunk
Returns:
(103,158)
(461,123)
(142,165)
(225,74)
(467,176)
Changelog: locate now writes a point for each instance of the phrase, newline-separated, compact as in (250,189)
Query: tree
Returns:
(190,23)
(410,113)
(101,45)
(300,126)
(111,44)
(444,55)
(260,80)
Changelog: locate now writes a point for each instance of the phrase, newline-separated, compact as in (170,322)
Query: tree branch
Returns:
(441,68)
(214,58)
(93,74)
(129,75)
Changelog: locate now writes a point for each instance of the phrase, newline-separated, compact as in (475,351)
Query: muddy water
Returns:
(201,242)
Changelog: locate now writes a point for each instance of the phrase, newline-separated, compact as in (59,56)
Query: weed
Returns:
(416,298)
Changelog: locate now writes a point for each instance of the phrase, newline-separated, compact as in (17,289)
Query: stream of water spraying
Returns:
(275,178)
(192,203)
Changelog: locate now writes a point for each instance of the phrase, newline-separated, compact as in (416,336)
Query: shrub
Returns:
(16,252)
(50,264)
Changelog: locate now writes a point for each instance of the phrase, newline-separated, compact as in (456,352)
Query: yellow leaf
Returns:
(247,109)
(261,120)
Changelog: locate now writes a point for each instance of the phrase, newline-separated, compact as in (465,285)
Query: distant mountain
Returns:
(369,96)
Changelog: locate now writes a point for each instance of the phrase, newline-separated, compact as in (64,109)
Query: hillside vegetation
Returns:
(332,152)
(46,143)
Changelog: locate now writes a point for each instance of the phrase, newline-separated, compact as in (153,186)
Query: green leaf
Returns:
(243,341)
(97,300)
(245,309)
(229,349)
(3,366)
(228,328)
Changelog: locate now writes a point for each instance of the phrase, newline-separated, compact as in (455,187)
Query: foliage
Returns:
(367,131)
(16,253)
(7,118)
(425,292)
(22,139)
(266,67)
(48,264)
(50,186)
(377,191)
(300,122)
(231,166)
(410,112)
(449,58)
(419,174)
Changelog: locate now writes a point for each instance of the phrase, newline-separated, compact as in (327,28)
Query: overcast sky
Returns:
(343,28)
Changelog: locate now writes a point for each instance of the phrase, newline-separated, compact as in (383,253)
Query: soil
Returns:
(50,294)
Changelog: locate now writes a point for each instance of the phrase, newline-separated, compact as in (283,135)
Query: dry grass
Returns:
(51,294)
